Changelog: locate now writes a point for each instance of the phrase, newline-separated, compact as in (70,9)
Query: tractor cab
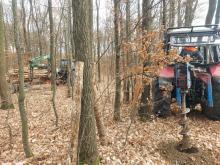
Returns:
(62,71)
(199,42)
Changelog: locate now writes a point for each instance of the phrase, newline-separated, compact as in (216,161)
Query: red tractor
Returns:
(195,82)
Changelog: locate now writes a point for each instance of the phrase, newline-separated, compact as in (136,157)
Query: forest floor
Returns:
(147,142)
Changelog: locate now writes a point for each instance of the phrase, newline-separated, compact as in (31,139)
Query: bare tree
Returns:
(146,25)
(164,22)
(24,25)
(35,17)
(146,15)
(172,13)
(128,54)
(139,9)
(190,8)
(211,12)
(179,13)
(6,102)
(98,38)
(99,122)
(87,147)
(117,62)
(53,61)
(21,97)
(217,15)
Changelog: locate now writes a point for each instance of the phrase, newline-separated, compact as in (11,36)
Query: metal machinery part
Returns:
(193,81)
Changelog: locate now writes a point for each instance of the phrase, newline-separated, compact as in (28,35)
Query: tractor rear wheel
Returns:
(213,113)
(161,100)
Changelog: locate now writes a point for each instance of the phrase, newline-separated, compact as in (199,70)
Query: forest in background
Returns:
(92,115)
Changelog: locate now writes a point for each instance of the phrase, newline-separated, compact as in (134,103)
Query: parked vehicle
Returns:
(195,82)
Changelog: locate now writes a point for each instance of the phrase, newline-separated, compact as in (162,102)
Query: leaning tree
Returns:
(21,95)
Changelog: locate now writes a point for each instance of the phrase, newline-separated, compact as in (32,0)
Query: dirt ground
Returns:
(147,143)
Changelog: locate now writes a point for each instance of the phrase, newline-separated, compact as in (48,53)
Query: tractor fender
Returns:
(214,74)
(166,76)
(215,70)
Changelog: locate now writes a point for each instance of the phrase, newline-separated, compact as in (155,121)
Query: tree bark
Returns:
(53,62)
(146,14)
(117,103)
(191,6)
(172,13)
(21,96)
(87,147)
(24,26)
(179,16)
(38,29)
(211,12)
(139,10)
(98,39)
(99,122)
(6,102)
(128,54)
(71,46)
(144,110)
(217,15)
(75,115)
(164,22)
(68,56)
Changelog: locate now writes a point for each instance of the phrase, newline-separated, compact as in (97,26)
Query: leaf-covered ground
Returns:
(147,143)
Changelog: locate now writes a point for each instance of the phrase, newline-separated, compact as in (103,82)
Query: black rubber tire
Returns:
(161,101)
(214,112)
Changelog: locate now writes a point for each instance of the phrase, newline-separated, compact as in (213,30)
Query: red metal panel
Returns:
(215,70)
(167,72)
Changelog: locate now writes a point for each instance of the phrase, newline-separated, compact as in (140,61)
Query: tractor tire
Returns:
(213,113)
(161,100)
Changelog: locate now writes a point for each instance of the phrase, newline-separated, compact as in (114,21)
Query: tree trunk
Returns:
(128,54)
(117,62)
(75,115)
(139,10)
(71,47)
(179,17)
(6,102)
(24,26)
(99,122)
(87,147)
(68,56)
(53,62)
(188,13)
(38,29)
(29,36)
(144,110)
(191,6)
(217,15)
(21,96)
(211,12)
(172,13)
(6,37)
(164,14)
(146,14)
(98,39)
